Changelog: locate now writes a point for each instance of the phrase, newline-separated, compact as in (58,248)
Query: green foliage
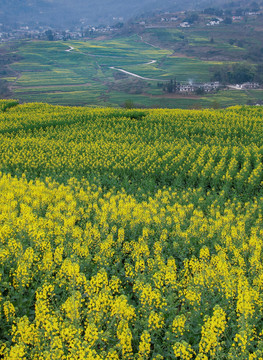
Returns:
(7,104)
(129,104)
(228,20)
(237,73)
(200,91)
(192,18)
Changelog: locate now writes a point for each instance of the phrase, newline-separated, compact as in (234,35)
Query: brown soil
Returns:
(173,96)
(103,37)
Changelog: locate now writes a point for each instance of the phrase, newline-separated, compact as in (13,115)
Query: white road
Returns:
(150,62)
(70,49)
(135,75)
(124,71)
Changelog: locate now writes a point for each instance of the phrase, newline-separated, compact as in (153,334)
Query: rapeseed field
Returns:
(130,234)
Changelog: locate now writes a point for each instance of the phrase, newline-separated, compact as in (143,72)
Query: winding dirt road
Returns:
(132,74)
(122,70)
(70,49)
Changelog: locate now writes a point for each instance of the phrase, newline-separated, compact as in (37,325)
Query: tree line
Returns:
(237,73)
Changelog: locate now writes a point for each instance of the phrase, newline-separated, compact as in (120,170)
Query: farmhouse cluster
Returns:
(211,87)
(245,86)
(205,88)
(195,87)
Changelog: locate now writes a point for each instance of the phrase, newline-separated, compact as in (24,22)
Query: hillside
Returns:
(67,12)
(130,233)
(144,62)
(121,70)
(209,37)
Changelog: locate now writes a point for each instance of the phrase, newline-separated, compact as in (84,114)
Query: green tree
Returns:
(49,34)
(129,104)
(228,20)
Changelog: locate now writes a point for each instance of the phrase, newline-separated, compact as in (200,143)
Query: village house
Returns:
(244,86)
(211,86)
(206,87)
(249,85)
(213,23)
(237,18)
(186,88)
(184,24)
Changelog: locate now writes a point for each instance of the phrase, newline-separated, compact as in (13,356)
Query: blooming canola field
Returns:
(130,234)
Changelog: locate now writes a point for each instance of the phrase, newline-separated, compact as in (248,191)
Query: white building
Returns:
(185,24)
(213,23)
(249,85)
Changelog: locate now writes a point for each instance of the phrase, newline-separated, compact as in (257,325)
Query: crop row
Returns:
(217,151)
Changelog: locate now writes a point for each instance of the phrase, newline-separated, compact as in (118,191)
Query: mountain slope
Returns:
(102,11)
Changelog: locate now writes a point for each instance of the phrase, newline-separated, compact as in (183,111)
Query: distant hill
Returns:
(62,12)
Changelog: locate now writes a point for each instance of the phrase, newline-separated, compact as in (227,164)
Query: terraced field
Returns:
(93,73)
